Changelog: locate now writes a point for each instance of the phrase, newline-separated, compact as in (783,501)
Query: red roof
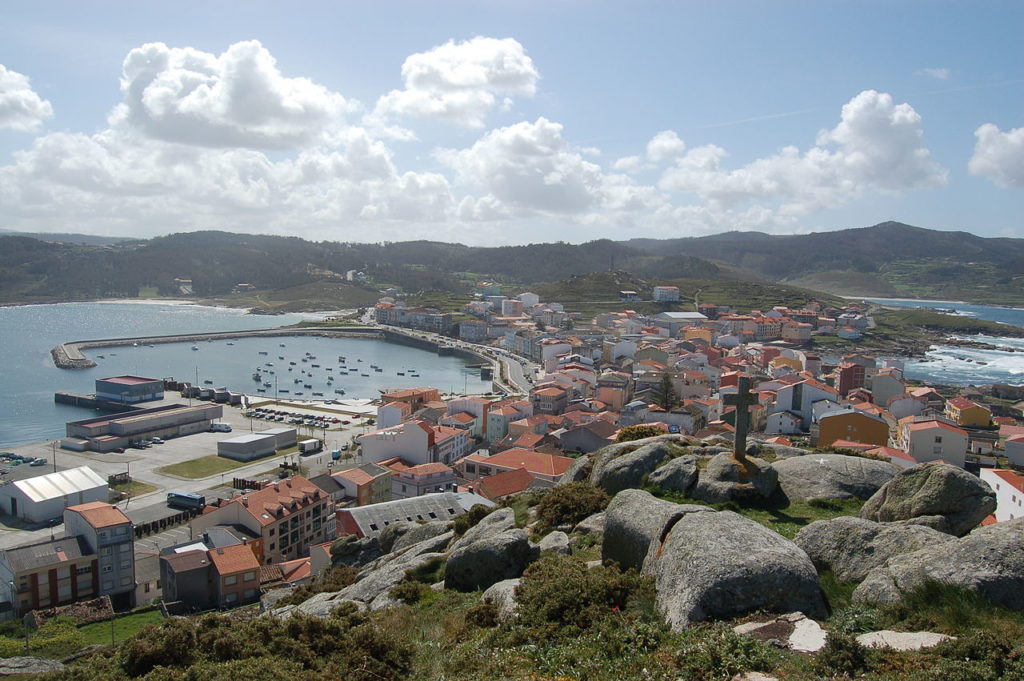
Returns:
(1015,480)
(231,559)
(99,514)
(962,403)
(892,453)
(504,483)
(536,463)
(265,504)
(928,425)
(129,380)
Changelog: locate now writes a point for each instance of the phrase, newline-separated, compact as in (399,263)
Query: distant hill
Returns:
(90,239)
(888,259)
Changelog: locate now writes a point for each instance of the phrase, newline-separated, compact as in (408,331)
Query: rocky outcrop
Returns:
(724,480)
(578,471)
(489,560)
(591,524)
(503,595)
(354,551)
(16,666)
(852,547)
(420,532)
(720,565)
(933,489)
(556,541)
(374,584)
(627,470)
(988,561)
(677,475)
(634,523)
(794,630)
(902,640)
(832,476)
(493,523)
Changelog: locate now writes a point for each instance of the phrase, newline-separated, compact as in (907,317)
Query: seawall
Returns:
(70,355)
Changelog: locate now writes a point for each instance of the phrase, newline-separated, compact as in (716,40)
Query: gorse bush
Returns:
(711,652)
(630,433)
(571,503)
(560,596)
(57,638)
(470,518)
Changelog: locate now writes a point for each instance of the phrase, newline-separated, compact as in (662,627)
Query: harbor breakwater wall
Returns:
(70,355)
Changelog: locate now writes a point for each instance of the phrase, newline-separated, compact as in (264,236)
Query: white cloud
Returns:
(530,169)
(123,183)
(937,73)
(460,82)
(236,99)
(876,145)
(666,144)
(20,107)
(628,164)
(999,155)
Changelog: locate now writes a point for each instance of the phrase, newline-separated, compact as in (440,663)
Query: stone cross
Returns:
(742,400)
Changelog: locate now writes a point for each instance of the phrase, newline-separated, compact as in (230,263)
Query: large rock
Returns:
(832,476)
(782,451)
(634,523)
(723,480)
(16,666)
(493,523)
(933,489)
(852,547)
(593,524)
(375,583)
(605,455)
(578,471)
(555,541)
(720,565)
(503,595)
(678,475)
(355,552)
(627,471)
(988,561)
(421,533)
(489,560)
(902,640)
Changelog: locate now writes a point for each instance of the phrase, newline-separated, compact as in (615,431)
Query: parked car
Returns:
(38,462)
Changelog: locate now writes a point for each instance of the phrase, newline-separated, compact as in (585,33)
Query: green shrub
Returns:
(56,638)
(408,591)
(854,619)
(842,656)
(630,433)
(334,579)
(707,652)
(470,518)
(571,503)
(483,615)
(560,596)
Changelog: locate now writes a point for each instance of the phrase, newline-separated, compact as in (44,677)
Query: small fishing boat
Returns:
(100,357)
(195,347)
(263,352)
(207,382)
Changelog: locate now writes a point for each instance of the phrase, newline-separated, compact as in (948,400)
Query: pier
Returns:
(70,355)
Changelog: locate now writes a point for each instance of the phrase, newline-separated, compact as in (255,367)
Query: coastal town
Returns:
(564,388)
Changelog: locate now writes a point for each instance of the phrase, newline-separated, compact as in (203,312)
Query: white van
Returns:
(220,428)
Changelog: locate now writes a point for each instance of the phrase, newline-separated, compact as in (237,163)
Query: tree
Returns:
(665,393)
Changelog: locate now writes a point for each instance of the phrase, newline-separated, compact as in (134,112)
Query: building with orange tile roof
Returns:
(967,412)
(287,516)
(931,440)
(543,466)
(1009,488)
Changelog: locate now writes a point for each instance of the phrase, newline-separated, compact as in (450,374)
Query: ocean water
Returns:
(951,365)
(29,378)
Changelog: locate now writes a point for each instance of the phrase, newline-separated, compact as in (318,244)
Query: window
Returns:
(249,576)
(126,581)
(103,535)
(403,488)
(108,568)
(250,593)
(126,565)
(231,580)
(272,547)
(936,450)
(938,438)
(83,569)
(122,530)
(231,598)
(272,530)
(105,551)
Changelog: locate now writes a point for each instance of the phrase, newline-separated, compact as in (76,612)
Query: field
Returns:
(202,467)
(99,633)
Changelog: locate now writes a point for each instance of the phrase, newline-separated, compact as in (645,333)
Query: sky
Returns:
(498,122)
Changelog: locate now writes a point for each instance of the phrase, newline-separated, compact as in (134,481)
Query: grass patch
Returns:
(124,627)
(776,513)
(203,467)
(134,488)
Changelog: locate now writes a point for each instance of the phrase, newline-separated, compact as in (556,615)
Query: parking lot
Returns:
(143,464)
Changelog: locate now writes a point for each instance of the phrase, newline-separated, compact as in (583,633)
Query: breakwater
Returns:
(70,355)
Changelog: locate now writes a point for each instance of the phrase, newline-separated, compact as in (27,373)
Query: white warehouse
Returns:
(44,497)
